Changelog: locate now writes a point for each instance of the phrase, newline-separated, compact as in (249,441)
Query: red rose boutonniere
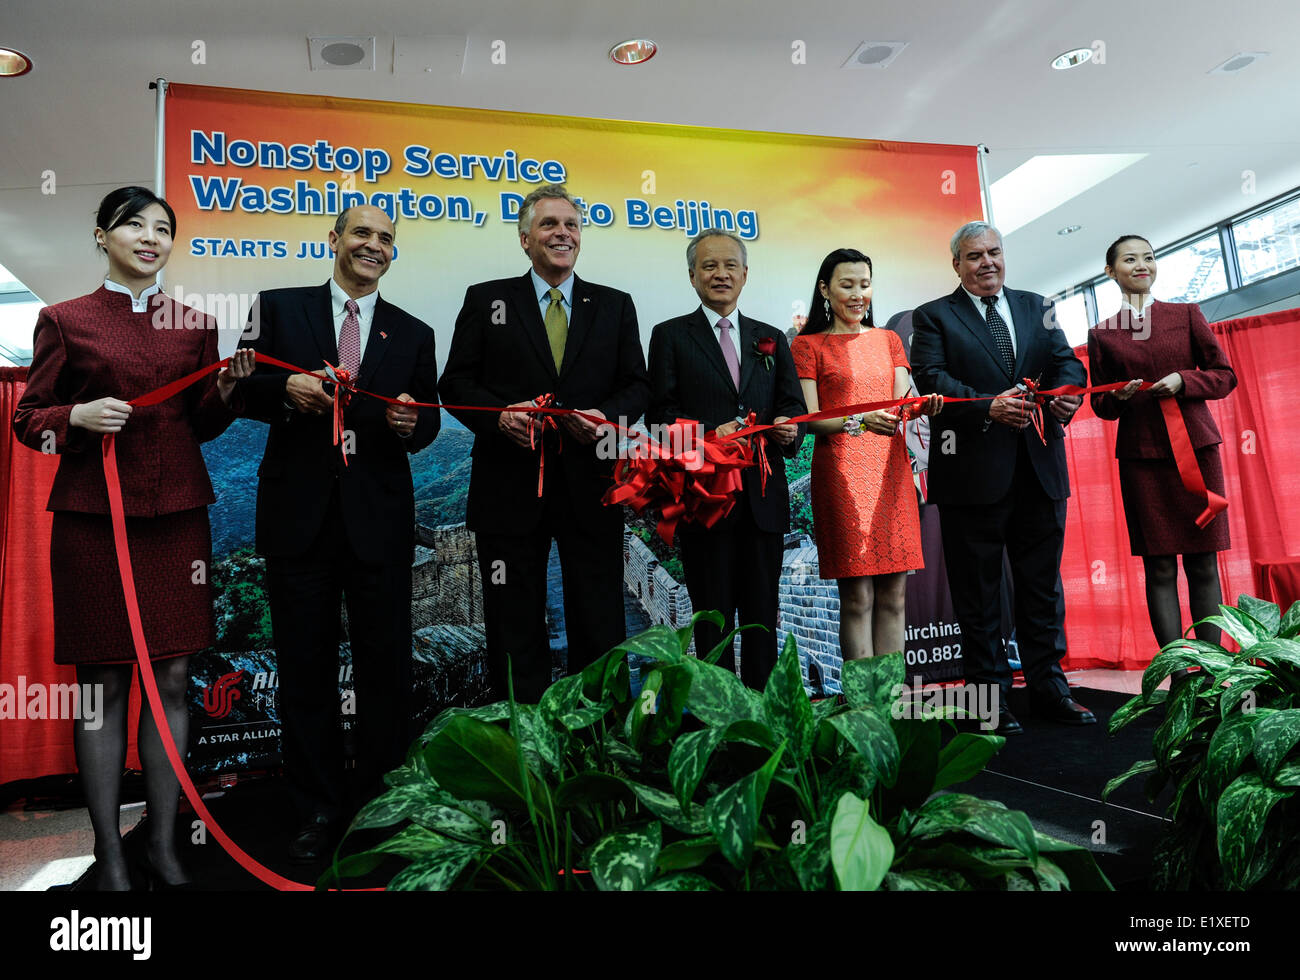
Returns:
(765,347)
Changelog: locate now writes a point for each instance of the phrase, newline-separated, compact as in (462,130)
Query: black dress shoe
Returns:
(1007,724)
(312,841)
(1065,711)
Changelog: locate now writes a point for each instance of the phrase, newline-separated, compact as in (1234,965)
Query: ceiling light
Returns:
(1072,59)
(1240,60)
(1069,229)
(874,54)
(1042,183)
(14,63)
(633,52)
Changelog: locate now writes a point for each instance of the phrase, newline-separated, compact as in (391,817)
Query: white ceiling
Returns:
(973,73)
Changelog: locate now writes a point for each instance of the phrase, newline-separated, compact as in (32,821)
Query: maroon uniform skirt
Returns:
(1161,514)
(90,623)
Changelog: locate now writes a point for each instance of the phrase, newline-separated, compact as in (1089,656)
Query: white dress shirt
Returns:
(140,305)
(1003,308)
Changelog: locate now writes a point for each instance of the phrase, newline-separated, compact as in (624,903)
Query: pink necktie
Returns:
(350,340)
(729,351)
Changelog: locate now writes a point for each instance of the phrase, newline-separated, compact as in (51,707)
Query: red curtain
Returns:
(1106,615)
(29,747)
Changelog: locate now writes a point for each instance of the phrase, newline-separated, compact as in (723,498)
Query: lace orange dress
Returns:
(863,500)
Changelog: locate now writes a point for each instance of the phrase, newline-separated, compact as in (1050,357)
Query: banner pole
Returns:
(159,85)
(980,150)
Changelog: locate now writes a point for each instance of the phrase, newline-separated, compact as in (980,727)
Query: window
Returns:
(1269,243)
(1072,315)
(1191,273)
(1108,298)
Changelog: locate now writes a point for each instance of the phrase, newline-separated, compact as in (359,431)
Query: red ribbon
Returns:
(536,433)
(1188,469)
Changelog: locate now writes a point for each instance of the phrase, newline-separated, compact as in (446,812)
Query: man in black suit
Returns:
(330,530)
(998,485)
(707,366)
(545,332)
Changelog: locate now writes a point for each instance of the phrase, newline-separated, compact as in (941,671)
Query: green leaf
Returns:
(1229,747)
(725,644)
(588,788)
(809,854)
(1077,863)
(964,756)
(437,871)
(560,698)
(682,883)
(1179,718)
(412,842)
(786,704)
(497,711)
(1290,626)
(478,761)
(986,820)
(608,678)
(1243,813)
(686,632)
(1277,652)
(927,880)
(543,743)
(636,727)
(666,808)
(752,732)
(451,821)
(1239,626)
(872,737)
(1288,775)
(718,697)
(352,866)
(919,743)
(1049,877)
(1276,736)
(689,759)
(1146,765)
(659,643)
(977,861)
(1134,708)
(625,860)
(873,681)
(1182,653)
(684,854)
(673,695)
(861,850)
(399,803)
(1267,614)
(732,814)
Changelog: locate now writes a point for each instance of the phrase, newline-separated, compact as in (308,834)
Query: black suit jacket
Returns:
(301,464)
(500,355)
(954,354)
(689,379)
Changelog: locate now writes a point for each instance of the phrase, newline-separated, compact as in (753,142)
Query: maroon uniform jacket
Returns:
(96,347)
(1173,337)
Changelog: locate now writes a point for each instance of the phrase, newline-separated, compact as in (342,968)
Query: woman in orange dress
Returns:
(864,505)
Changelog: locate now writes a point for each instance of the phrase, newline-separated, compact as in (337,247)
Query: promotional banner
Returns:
(257,179)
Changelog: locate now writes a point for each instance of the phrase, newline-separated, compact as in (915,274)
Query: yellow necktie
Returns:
(557,326)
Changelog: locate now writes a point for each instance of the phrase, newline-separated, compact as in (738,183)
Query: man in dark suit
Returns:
(998,485)
(328,529)
(706,366)
(545,332)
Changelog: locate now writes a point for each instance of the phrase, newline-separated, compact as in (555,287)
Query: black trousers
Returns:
(1030,526)
(306,593)
(513,569)
(735,568)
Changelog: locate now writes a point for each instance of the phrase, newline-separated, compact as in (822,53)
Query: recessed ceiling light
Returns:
(1240,60)
(874,54)
(1069,229)
(1072,59)
(14,63)
(633,52)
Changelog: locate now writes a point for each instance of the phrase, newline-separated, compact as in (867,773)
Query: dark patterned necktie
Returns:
(350,340)
(1001,335)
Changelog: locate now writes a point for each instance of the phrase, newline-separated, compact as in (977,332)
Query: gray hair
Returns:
(972,229)
(555,191)
(713,233)
(341,222)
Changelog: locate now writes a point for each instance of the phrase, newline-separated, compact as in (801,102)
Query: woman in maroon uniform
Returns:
(1173,343)
(91,355)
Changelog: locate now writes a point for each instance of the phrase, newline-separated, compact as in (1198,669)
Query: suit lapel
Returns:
(580,320)
(748,337)
(528,310)
(1025,318)
(377,344)
(704,337)
(969,317)
(320,315)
